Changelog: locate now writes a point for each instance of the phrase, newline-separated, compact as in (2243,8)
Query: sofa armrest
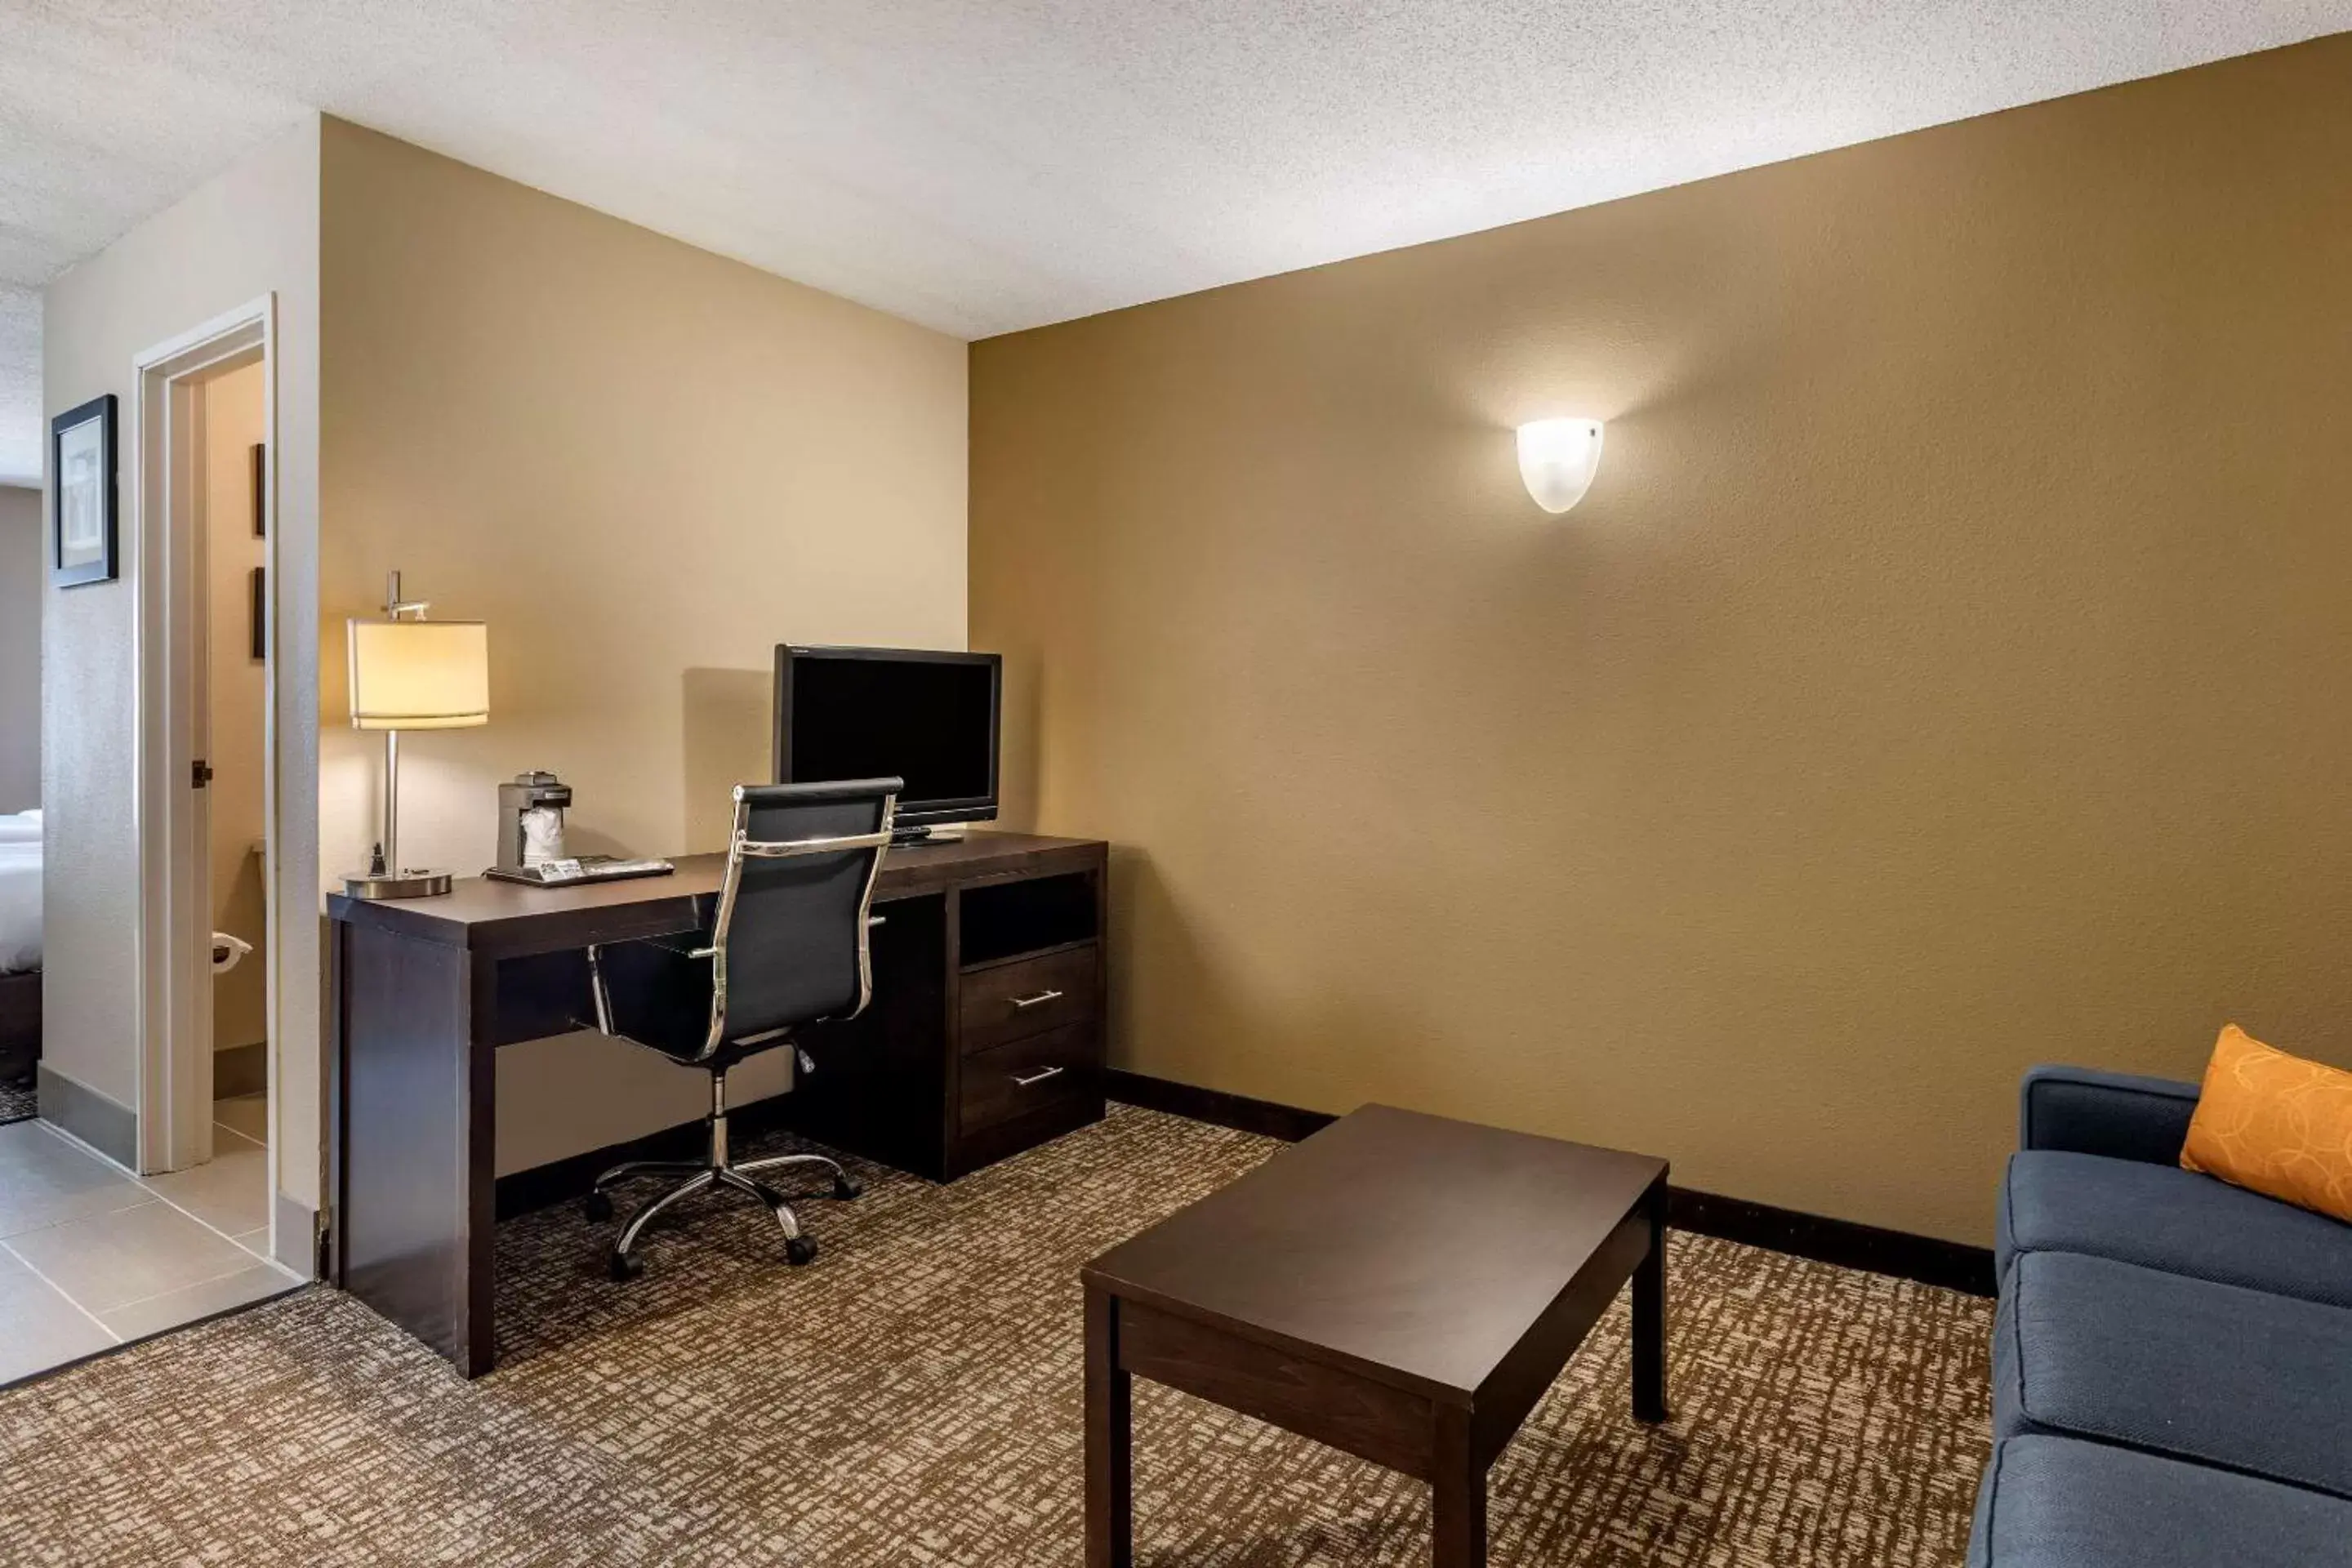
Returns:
(2122,1115)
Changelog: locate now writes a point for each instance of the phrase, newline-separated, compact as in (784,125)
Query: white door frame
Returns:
(173,948)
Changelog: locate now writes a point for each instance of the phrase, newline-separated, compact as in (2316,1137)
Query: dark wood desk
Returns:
(1403,1287)
(984,1037)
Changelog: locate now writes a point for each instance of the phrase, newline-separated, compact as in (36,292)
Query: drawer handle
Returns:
(1022,1004)
(1036,1078)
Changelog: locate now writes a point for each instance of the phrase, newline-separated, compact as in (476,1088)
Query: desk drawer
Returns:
(1013,1001)
(1026,1075)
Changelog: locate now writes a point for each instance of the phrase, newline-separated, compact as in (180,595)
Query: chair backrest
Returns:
(791,926)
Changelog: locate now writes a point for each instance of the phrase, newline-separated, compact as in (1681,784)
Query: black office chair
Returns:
(787,947)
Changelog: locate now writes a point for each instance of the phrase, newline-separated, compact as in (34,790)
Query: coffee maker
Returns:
(531,840)
(530,820)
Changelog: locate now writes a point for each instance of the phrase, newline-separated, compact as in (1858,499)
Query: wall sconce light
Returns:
(1558,458)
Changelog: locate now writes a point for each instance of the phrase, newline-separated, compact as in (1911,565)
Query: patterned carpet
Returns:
(18,1101)
(913,1398)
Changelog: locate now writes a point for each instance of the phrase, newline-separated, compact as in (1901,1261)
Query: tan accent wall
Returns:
(644,466)
(1945,672)
(252,231)
(237,695)
(24,568)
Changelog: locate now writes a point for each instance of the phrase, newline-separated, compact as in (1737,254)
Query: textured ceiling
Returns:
(983,165)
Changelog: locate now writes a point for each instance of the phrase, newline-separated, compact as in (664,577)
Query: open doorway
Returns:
(24,568)
(232,738)
(176,1220)
(208,979)
(209,936)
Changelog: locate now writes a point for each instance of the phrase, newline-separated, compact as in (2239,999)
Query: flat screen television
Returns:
(929,718)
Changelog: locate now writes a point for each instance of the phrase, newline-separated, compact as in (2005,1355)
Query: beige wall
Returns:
(644,466)
(24,566)
(253,231)
(1944,674)
(236,696)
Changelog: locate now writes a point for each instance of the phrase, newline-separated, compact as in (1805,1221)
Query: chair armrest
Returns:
(663,995)
(2122,1115)
(685,943)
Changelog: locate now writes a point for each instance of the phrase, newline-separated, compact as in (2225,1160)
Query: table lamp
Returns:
(409,673)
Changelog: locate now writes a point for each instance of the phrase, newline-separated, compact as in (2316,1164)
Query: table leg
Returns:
(1458,1496)
(1110,1433)
(1650,1316)
(415,1183)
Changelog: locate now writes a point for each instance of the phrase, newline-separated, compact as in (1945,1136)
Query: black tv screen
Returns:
(868,712)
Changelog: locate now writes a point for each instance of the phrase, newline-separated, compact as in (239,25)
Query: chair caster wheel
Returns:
(799,1251)
(598,1207)
(845,1189)
(625,1267)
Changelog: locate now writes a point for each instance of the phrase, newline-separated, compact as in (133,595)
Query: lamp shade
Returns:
(1558,458)
(419,674)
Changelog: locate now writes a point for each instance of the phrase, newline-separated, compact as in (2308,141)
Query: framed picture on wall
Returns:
(82,530)
(258,587)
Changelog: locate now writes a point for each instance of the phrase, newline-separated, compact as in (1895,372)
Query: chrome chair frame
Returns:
(717,1169)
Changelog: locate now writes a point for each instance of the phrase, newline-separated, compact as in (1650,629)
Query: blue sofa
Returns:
(2172,1355)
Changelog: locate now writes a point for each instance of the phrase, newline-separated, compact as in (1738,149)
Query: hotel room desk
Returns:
(985,1036)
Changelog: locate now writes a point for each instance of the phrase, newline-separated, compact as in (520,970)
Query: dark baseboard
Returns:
(1239,1112)
(1952,1265)
(1848,1245)
(20,1025)
(543,1186)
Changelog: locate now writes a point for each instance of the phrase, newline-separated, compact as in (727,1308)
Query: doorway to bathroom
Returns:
(110,1239)
(231,749)
(210,1099)
(205,490)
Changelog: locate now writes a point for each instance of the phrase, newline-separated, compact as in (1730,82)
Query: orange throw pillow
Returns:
(2273,1124)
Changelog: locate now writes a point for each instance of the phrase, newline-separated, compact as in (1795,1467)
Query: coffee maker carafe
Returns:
(530,820)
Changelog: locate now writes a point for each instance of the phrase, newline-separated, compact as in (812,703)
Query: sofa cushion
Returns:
(2054,1502)
(2207,1373)
(2161,1216)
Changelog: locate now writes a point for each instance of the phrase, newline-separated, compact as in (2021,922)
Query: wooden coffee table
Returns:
(1400,1285)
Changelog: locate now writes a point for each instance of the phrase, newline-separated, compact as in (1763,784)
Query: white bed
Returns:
(20,892)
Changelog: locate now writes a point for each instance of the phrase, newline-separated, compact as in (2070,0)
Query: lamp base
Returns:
(411,883)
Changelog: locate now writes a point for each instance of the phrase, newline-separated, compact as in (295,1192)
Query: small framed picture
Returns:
(82,528)
(260,594)
(260,475)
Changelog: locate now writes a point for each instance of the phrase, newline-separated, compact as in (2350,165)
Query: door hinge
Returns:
(199,774)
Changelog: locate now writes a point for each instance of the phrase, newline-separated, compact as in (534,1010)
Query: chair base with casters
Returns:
(786,946)
(716,1171)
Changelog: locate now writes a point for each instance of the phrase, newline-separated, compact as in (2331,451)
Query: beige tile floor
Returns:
(91,1256)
